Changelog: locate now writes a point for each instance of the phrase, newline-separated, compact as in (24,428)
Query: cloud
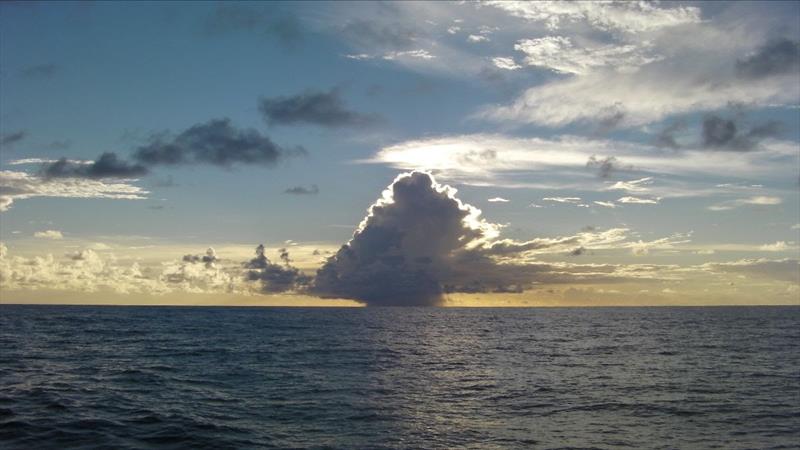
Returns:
(367,33)
(108,165)
(302,190)
(231,18)
(315,108)
(639,200)
(606,166)
(605,204)
(81,271)
(275,277)
(505,63)
(49,234)
(777,57)
(9,139)
(666,138)
(419,242)
(577,251)
(415,54)
(640,185)
(209,258)
(759,200)
(23,161)
(498,200)
(215,142)
(628,17)
(695,67)
(726,134)
(556,166)
(475,38)
(21,185)
(641,248)
(778,246)
(783,270)
(640,98)
(39,71)
(402,251)
(559,54)
(501,160)
(562,199)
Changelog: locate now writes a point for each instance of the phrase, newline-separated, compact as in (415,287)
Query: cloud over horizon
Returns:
(419,242)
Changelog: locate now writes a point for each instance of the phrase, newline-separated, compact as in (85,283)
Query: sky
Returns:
(401,153)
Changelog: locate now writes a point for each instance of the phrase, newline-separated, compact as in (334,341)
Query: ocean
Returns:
(386,378)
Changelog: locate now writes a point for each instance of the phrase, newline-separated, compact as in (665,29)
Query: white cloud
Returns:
(648,95)
(641,248)
(562,199)
(560,163)
(630,17)
(498,200)
(477,38)
(796,226)
(358,56)
(49,234)
(561,55)
(639,200)
(18,162)
(782,269)
(760,200)
(779,246)
(505,63)
(633,185)
(21,185)
(606,204)
(453,29)
(416,54)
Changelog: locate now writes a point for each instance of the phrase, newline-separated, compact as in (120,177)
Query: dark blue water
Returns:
(130,377)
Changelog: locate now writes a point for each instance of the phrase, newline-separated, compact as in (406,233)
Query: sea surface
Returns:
(373,378)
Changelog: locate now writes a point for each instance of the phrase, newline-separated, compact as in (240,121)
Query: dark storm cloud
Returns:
(728,134)
(387,36)
(606,166)
(275,278)
(302,190)
(39,71)
(9,139)
(215,142)
(313,107)
(260,19)
(108,165)
(777,57)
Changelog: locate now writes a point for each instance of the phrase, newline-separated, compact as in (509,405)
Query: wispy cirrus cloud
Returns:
(628,17)
(16,186)
(561,162)
(759,200)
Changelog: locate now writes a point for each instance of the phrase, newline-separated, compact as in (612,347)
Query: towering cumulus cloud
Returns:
(406,250)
